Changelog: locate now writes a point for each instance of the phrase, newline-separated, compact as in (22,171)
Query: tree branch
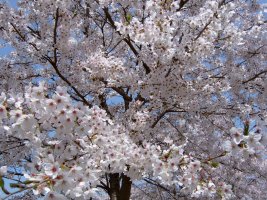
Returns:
(54,62)
(126,40)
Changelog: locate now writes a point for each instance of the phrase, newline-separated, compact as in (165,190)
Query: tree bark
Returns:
(125,190)
(114,182)
(119,187)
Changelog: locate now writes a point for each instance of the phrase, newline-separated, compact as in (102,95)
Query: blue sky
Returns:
(12,3)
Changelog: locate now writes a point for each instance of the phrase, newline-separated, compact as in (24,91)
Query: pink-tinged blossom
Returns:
(15,115)
(226,191)
(231,147)
(17,100)
(106,93)
(253,140)
(52,195)
(3,170)
(236,134)
(3,112)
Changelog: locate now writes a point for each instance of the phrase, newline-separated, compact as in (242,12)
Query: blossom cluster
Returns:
(76,145)
(148,90)
(245,144)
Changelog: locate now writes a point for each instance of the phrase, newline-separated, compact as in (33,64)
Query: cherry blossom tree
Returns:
(144,99)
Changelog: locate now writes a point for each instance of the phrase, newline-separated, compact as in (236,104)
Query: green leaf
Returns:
(1,182)
(2,185)
(128,17)
(214,164)
(246,128)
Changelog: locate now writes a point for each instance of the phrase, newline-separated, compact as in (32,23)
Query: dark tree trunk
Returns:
(125,190)
(114,182)
(119,187)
